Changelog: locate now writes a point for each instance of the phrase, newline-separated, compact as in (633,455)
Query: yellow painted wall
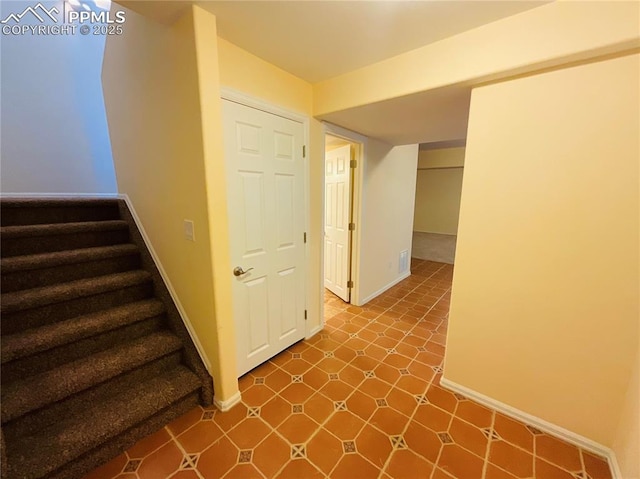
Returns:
(545,304)
(542,37)
(248,74)
(627,441)
(155,85)
(438,190)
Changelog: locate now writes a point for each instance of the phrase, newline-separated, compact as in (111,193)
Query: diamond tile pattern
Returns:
(360,399)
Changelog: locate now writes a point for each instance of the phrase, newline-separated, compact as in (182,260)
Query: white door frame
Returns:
(259,104)
(357,206)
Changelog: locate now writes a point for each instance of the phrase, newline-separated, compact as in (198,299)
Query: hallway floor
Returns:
(359,400)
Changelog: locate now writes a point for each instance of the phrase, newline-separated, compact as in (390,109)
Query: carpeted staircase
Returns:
(94,353)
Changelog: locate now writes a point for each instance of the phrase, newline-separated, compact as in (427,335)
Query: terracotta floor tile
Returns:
(434,418)
(511,459)
(558,452)
(218,459)
(344,425)
(315,378)
(127,476)
(375,352)
(244,471)
(184,422)
(296,366)
(405,464)
(162,463)
(298,469)
(331,365)
(440,474)
(423,441)
(373,445)
(248,433)
(257,395)
(275,411)
(318,407)
(459,462)
(387,373)
(298,428)
(268,367)
(200,436)
(312,355)
(550,471)
(511,431)
(361,405)
(476,414)
(401,401)
(421,371)
(297,393)
(187,474)
(494,472)
(468,436)
(375,387)
(324,450)
(442,398)
(596,467)
(345,353)
(397,360)
(278,380)
(336,390)
(271,455)
(389,420)
(352,376)
(412,385)
(354,465)
(149,444)
(110,469)
(229,419)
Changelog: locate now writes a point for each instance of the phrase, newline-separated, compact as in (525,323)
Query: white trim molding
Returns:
(545,426)
(167,282)
(224,406)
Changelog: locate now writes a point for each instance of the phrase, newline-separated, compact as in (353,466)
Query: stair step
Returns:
(38,297)
(29,394)
(38,270)
(37,340)
(25,211)
(35,456)
(44,238)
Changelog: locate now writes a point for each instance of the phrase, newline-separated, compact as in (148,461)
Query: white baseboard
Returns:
(384,288)
(59,195)
(229,403)
(545,426)
(167,282)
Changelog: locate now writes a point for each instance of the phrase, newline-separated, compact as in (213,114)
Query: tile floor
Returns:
(359,400)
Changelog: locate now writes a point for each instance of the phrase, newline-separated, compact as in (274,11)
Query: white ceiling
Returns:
(316,40)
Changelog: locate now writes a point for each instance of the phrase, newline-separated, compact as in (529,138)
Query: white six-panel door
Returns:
(337,214)
(265,181)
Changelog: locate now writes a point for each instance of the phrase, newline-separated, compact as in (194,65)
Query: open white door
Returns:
(265,178)
(337,215)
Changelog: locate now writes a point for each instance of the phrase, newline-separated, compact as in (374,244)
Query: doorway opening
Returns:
(342,173)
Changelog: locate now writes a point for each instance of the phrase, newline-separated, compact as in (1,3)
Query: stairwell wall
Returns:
(162,99)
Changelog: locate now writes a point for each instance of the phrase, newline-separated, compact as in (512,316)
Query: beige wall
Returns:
(248,74)
(388,193)
(550,35)
(165,149)
(545,303)
(627,440)
(438,190)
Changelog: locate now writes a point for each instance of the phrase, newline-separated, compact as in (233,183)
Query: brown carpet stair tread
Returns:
(59,258)
(56,384)
(36,297)
(36,340)
(87,202)
(9,232)
(64,441)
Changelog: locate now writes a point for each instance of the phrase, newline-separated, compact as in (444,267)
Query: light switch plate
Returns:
(189,232)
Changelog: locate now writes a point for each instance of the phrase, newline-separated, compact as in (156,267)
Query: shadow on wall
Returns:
(54,132)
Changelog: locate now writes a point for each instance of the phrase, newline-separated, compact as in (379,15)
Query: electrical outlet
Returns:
(189,232)
(403,261)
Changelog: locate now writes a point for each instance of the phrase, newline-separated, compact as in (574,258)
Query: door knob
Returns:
(238,271)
